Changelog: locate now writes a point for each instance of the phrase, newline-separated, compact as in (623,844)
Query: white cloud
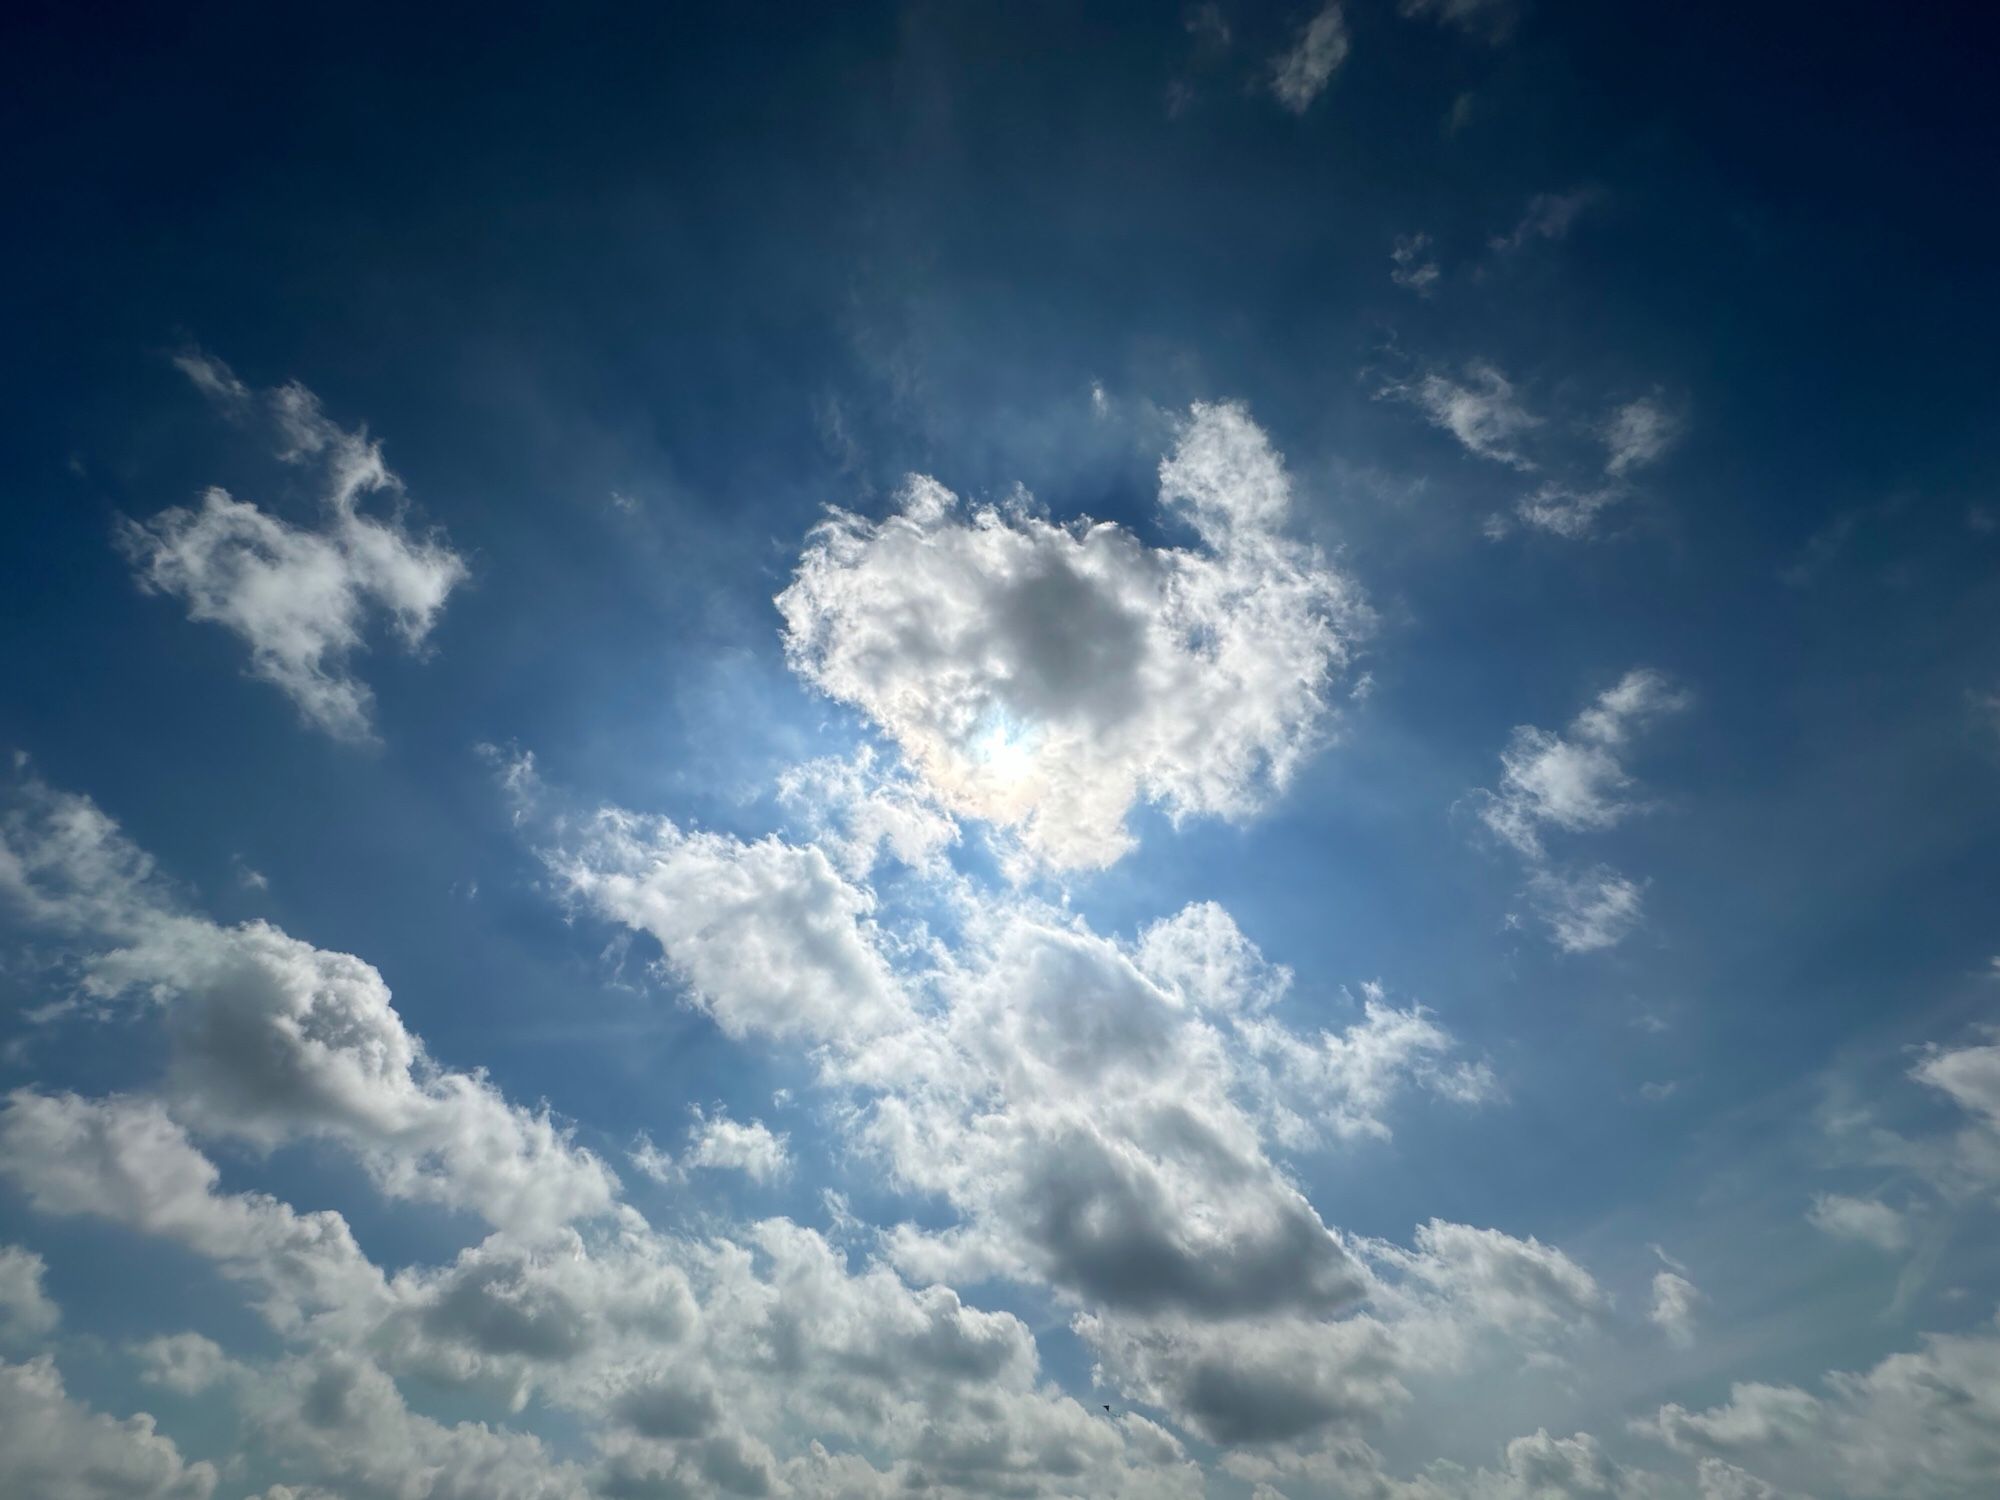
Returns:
(1864,1220)
(1413,267)
(1919,1425)
(336,1419)
(185,1363)
(1282,1376)
(1489,19)
(1586,911)
(854,810)
(769,938)
(1541,1467)
(1637,434)
(1549,217)
(272,1039)
(125,1161)
(1094,1146)
(1576,782)
(1481,411)
(1968,1076)
(723,1144)
(1300,74)
(1566,510)
(55,1448)
(1044,678)
(26,1313)
(300,597)
(1675,1299)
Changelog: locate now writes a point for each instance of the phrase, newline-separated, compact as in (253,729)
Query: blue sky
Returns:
(1039,750)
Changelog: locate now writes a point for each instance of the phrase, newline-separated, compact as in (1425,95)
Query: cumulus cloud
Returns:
(722,1144)
(1481,411)
(1968,1076)
(855,809)
(26,1313)
(123,1160)
(1044,678)
(272,1039)
(769,938)
(1080,1120)
(336,1419)
(1920,1425)
(185,1363)
(55,1448)
(1864,1220)
(1576,782)
(1300,74)
(1277,1380)
(300,596)
(696,1363)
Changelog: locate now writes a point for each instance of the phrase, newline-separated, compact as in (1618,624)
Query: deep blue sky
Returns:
(629,295)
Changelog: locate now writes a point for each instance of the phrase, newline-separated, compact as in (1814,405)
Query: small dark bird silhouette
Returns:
(1107,1408)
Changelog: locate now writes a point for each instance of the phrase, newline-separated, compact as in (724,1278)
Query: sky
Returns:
(969,750)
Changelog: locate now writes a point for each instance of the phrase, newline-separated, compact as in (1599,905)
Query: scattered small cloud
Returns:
(1301,74)
(1550,216)
(1566,511)
(1864,1220)
(1638,433)
(1481,410)
(1576,782)
(1412,266)
(300,596)
(1485,20)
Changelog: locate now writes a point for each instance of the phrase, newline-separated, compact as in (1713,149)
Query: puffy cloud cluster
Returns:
(1482,410)
(769,938)
(1106,1121)
(719,1143)
(1919,1425)
(55,1448)
(272,1039)
(26,1313)
(301,597)
(1576,782)
(722,1364)
(1045,678)
(123,1160)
